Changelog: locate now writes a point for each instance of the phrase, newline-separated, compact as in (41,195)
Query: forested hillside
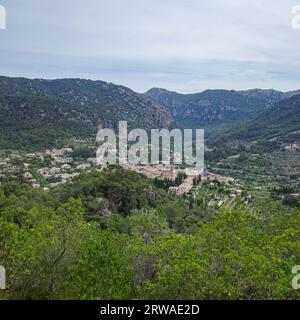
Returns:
(70,229)
(114,235)
(214,108)
(70,108)
(208,108)
(37,122)
(278,121)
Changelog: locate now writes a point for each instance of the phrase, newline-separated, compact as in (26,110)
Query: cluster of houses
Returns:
(171,172)
(30,178)
(157,171)
(8,165)
(188,183)
(61,168)
(54,166)
(217,178)
(185,187)
(293,147)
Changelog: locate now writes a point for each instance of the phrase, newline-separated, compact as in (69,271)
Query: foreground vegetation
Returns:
(114,235)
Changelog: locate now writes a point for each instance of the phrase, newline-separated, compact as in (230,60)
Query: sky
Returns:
(181,45)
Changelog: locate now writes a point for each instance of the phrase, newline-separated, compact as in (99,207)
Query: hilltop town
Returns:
(44,169)
(51,167)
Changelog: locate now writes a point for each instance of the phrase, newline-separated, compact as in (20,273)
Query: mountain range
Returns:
(276,122)
(42,113)
(216,107)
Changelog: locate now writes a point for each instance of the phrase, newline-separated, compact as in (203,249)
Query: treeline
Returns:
(37,114)
(114,235)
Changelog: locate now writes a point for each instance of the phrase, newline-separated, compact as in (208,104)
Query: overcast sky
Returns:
(182,45)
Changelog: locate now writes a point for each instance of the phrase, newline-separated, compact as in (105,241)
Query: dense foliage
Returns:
(36,122)
(279,120)
(210,107)
(40,113)
(113,235)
